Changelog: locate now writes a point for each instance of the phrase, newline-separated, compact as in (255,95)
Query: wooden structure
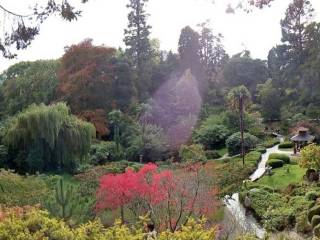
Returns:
(301,139)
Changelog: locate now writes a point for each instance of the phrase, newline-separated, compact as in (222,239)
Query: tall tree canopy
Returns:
(28,82)
(138,44)
(243,70)
(48,138)
(86,76)
(93,79)
(238,99)
(190,57)
(298,15)
(286,58)
(270,101)
(213,59)
(212,52)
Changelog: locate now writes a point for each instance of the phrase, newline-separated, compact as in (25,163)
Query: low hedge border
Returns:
(284,157)
(275,163)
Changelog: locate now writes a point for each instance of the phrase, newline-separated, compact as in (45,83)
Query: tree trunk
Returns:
(241,127)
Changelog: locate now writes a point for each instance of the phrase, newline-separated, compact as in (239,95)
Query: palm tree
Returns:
(238,98)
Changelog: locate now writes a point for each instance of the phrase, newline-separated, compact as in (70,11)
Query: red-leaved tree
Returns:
(169,198)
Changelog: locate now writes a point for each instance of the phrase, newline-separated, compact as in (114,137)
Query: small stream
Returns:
(240,216)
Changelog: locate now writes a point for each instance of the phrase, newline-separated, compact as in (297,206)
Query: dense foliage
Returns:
(310,157)
(212,136)
(19,190)
(192,153)
(169,198)
(26,83)
(35,224)
(234,143)
(180,110)
(44,138)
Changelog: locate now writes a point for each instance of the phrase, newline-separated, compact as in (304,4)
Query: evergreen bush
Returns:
(286,145)
(284,157)
(275,163)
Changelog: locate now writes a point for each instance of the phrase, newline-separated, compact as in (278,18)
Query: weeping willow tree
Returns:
(48,138)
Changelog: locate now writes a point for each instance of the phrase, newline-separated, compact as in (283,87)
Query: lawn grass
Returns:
(222,151)
(282,177)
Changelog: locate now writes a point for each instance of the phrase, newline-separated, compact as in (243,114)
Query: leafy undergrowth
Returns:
(230,173)
(34,224)
(282,209)
(281,201)
(17,190)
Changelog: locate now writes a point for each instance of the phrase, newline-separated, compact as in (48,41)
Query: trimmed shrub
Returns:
(313,211)
(212,154)
(312,195)
(270,143)
(285,158)
(234,143)
(315,220)
(275,163)
(253,157)
(286,145)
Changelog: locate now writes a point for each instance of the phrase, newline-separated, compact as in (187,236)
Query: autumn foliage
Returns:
(169,198)
(85,76)
(98,119)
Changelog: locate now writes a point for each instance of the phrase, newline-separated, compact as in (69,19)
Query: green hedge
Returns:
(284,157)
(275,163)
(269,143)
(286,145)
(233,143)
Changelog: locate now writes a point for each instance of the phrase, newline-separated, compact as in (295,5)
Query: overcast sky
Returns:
(104,21)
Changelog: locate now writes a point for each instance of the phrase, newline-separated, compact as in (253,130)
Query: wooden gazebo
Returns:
(301,139)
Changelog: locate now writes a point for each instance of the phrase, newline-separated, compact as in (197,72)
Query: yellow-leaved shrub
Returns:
(38,225)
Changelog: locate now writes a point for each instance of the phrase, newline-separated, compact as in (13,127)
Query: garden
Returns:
(142,143)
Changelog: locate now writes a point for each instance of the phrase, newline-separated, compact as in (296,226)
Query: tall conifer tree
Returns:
(138,44)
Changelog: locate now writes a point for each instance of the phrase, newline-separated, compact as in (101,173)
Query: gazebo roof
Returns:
(306,137)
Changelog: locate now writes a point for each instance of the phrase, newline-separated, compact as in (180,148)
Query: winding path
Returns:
(237,214)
